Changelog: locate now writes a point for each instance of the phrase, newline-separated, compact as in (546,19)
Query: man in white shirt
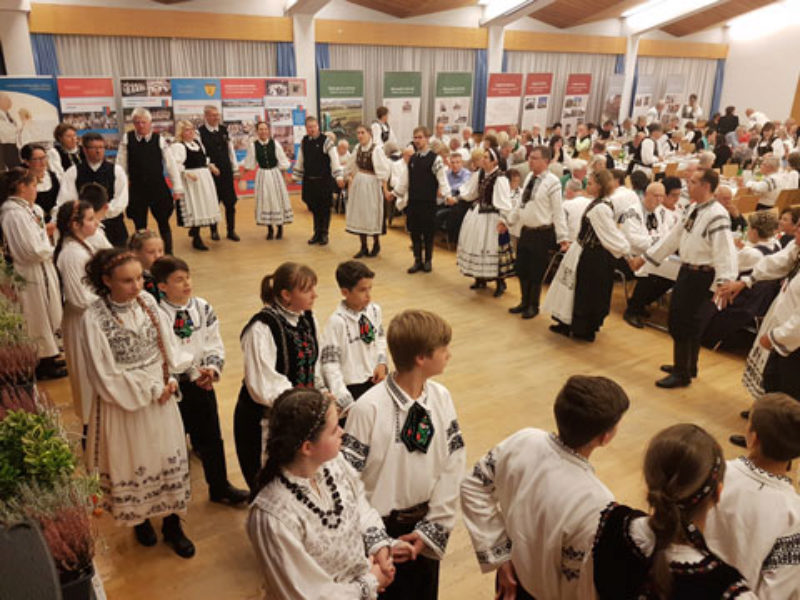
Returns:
(646,153)
(655,113)
(755,117)
(692,111)
(466,139)
(440,136)
(769,187)
(144,155)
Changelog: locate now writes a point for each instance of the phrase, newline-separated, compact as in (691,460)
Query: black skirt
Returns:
(593,286)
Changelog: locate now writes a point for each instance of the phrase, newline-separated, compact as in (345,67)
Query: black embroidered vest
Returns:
(104,175)
(316,162)
(364,159)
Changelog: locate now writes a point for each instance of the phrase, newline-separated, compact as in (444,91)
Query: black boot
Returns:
(416,267)
(174,536)
(479,284)
(270,232)
(145,534)
(695,356)
(279,233)
(364,251)
(229,495)
(197,241)
(682,357)
(525,297)
(314,239)
(48,369)
(500,288)
(323,239)
(376,247)
(230,223)
(214,232)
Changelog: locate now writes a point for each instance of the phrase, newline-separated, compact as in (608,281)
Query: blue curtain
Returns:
(619,66)
(479,89)
(44,54)
(287,67)
(504,68)
(323,62)
(716,97)
(633,88)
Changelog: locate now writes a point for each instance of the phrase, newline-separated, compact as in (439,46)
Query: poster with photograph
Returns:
(341,102)
(242,108)
(87,103)
(536,101)
(503,97)
(453,100)
(402,93)
(191,95)
(613,98)
(286,112)
(675,96)
(28,114)
(576,98)
(154,94)
(644,97)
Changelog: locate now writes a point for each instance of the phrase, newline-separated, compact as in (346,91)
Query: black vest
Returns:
(637,154)
(104,175)
(145,165)
(316,162)
(364,159)
(216,145)
(422,183)
(486,191)
(195,159)
(69,158)
(384,131)
(47,200)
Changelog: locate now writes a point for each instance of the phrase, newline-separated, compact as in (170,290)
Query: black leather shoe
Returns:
(415,268)
(519,308)
(233,236)
(561,328)
(215,235)
(376,249)
(197,244)
(361,253)
(633,320)
(738,440)
(478,284)
(668,369)
(145,534)
(279,233)
(427,266)
(500,289)
(314,239)
(673,381)
(586,337)
(745,414)
(529,312)
(174,536)
(230,495)
(323,239)
(50,371)
(270,233)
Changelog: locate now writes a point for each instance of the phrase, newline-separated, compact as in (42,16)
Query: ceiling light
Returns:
(662,13)
(641,7)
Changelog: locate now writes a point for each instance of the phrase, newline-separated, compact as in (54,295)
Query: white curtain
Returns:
(375,60)
(561,65)
(105,56)
(699,73)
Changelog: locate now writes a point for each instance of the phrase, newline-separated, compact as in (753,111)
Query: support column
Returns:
(631,51)
(494,53)
(305,55)
(16,38)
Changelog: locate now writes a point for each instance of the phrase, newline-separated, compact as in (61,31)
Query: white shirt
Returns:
(380,164)
(544,206)
(54,160)
(394,477)
(768,189)
(329,148)
(347,358)
(756,528)
(179,153)
(749,255)
(444,140)
(501,192)
(573,211)
(377,131)
(401,190)
(166,156)
(648,153)
(9,127)
(536,502)
(251,162)
(201,338)
(116,204)
(604,223)
(652,115)
(629,216)
(756,118)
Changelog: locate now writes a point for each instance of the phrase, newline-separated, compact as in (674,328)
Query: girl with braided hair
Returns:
(663,555)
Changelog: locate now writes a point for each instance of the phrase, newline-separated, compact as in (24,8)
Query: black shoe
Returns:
(361,253)
(174,536)
(478,285)
(738,440)
(323,239)
(48,371)
(215,234)
(519,308)
(313,240)
(529,312)
(145,534)
(561,328)
(59,362)
(233,236)
(279,234)
(745,414)
(668,369)
(673,381)
(270,232)
(376,249)
(230,495)
(633,320)
(500,289)
(415,268)
(585,337)
(427,266)
(197,244)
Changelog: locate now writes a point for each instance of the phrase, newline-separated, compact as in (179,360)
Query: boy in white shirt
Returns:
(353,352)
(196,329)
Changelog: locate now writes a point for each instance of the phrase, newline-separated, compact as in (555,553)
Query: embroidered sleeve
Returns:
(785,553)
(213,349)
(331,361)
(435,536)
(380,341)
(355,452)
(455,441)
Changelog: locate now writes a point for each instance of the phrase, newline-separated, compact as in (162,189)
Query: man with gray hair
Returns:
(770,186)
(219,148)
(706,159)
(144,155)
(655,113)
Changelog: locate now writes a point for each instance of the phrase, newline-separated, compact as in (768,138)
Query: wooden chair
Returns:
(746,203)
(730,170)
(671,170)
(687,147)
(786,199)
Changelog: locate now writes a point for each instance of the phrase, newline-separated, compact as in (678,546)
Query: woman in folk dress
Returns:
(199,206)
(136,443)
(368,169)
(273,207)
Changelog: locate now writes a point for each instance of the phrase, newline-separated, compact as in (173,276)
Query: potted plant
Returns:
(17,352)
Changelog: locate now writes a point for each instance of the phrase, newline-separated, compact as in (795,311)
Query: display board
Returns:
(503,98)
(537,98)
(576,98)
(644,97)
(154,94)
(341,102)
(28,114)
(402,94)
(453,100)
(612,102)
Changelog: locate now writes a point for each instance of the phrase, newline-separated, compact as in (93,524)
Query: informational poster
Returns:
(576,98)
(28,114)
(87,103)
(190,96)
(341,102)
(154,94)
(286,112)
(452,101)
(242,108)
(402,93)
(644,97)
(503,97)
(536,101)
(674,95)
(613,98)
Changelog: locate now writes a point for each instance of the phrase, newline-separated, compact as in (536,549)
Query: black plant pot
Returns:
(77,585)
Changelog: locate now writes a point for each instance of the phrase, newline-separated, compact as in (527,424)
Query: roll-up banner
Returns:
(643,99)
(154,94)
(453,100)
(341,102)
(503,97)
(28,114)
(402,93)
(286,112)
(242,107)
(675,95)
(190,95)
(536,102)
(87,103)
(612,101)
(576,98)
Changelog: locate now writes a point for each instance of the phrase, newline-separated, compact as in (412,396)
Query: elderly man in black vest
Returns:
(144,155)
(219,148)
(96,169)
(317,167)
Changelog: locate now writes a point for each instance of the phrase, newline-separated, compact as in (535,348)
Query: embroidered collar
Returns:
(761,473)
(289,315)
(264,142)
(121,306)
(568,452)
(400,397)
(349,312)
(178,306)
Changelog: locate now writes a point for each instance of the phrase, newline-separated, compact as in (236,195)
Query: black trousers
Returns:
(422,240)
(534,251)
(357,390)
(116,231)
(692,289)
(161,206)
(317,194)
(226,194)
(415,579)
(201,421)
(782,374)
(648,289)
(247,435)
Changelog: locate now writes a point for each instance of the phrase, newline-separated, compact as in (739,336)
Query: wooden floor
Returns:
(503,375)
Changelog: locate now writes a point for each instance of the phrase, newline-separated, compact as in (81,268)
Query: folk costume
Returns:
(199,206)
(218,145)
(369,168)
(318,167)
(273,206)
(47,194)
(59,159)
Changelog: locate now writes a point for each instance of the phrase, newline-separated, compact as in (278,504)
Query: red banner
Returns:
(539,84)
(243,88)
(504,85)
(89,87)
(579,84)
